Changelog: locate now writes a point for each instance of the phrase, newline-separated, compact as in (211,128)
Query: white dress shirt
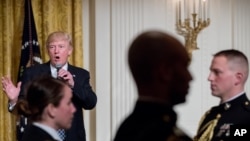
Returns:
(54,70)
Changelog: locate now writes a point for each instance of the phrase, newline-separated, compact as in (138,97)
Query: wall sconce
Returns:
(191,27)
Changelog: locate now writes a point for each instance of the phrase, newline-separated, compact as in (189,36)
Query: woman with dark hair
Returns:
(48,105)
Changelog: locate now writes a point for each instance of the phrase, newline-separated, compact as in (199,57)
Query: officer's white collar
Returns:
(234,97)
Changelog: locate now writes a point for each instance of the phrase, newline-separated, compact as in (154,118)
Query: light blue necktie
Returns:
(61,133)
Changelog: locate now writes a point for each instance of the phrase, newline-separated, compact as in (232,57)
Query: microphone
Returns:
(58,67)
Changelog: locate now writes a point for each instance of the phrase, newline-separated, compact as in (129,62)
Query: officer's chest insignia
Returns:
(224,130)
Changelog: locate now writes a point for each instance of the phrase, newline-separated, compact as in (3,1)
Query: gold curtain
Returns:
(50,16)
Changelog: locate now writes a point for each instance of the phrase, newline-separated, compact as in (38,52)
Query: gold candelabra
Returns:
(191,27)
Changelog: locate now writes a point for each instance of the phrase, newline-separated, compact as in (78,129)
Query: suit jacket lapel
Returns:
(71,70)
(47,68)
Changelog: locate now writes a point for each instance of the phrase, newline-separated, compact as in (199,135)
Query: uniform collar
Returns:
(152,109)
(240,99)
(234,97)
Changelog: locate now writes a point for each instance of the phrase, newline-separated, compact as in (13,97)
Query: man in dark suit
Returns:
(228,74)
(159,65)
(59,47)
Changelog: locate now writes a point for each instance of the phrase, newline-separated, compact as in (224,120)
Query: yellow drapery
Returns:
(50,16)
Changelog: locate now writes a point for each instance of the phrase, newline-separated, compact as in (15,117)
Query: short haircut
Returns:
(237,58)
(149,50)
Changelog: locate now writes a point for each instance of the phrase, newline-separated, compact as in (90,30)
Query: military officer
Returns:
(228,74)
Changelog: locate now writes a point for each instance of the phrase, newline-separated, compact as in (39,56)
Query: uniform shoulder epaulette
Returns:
(207,112)
(214,108)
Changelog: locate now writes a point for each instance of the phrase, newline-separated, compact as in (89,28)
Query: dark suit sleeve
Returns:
(32,73)
(25,79)
(84,95)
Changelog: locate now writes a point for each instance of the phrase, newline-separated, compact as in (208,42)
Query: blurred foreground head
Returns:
(48,101)
(159,65)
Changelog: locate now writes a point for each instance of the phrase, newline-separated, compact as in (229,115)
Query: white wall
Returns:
(110,26)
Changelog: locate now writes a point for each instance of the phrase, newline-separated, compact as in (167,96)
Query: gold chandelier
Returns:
(192,23)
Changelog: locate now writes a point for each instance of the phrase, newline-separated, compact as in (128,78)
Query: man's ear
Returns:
(70,50)
(239,78)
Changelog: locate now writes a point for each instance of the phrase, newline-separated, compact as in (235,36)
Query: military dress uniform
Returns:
(151,122)
(215,124)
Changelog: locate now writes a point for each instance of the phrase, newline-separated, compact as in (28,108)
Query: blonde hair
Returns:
(59,35)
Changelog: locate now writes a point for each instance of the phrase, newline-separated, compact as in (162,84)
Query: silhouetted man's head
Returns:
(159,63)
